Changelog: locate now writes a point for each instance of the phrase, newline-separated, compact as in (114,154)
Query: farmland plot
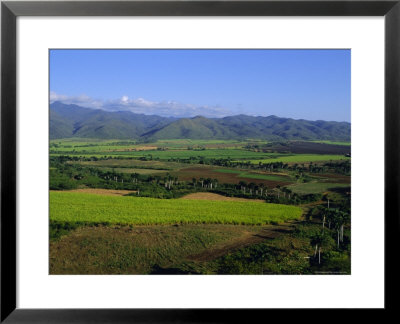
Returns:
(91,209)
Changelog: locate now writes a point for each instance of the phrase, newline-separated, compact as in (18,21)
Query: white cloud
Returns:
(82,100)
(143,106)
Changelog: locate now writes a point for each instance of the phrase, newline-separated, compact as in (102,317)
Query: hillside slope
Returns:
(74,121)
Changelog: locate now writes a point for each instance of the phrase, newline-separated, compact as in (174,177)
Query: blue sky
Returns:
(308,84)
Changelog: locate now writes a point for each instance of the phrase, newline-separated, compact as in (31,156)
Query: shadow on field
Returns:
(169,271)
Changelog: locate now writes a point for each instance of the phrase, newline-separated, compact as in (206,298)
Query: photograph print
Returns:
(203,161)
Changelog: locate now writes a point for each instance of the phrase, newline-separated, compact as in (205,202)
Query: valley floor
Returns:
(199,207)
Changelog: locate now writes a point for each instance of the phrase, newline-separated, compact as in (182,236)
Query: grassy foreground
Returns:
(141,250)
(92,209)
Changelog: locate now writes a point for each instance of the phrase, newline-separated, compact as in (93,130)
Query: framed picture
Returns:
(162,158)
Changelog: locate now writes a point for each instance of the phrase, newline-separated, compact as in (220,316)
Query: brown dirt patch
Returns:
(127,163)
(187,174)
(336,178)
(145,148)
(103,192)
(213,196)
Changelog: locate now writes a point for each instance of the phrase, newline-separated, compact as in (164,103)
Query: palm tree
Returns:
(338,219)
(215,183)
(278,187)
(261,186)
(320,240)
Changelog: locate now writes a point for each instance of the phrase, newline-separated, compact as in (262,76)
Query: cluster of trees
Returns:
(336,219)
(331,234)
(64,158)
(196,148)
(65,176)
(287,254)
(206,183)
(61,181)
(341,167)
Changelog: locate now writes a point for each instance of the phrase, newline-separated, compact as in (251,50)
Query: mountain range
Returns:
(68,121)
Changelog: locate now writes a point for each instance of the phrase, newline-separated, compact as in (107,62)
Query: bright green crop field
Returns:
(92,209)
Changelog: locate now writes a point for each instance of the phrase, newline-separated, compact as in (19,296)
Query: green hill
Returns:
(74,121)
(193,128)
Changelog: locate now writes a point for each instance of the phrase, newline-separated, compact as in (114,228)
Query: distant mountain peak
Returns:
(199,117)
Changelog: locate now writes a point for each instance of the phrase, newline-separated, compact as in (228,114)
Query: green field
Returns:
(137,149)
(301,158)
(91,209)
(315,187)
(97,145)
(184,143)
(132,164)
(170,154)
(234,154)
(333,143)
(245,174)
(167,150)
(132,170)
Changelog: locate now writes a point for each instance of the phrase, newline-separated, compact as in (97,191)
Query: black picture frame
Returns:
(10,10)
